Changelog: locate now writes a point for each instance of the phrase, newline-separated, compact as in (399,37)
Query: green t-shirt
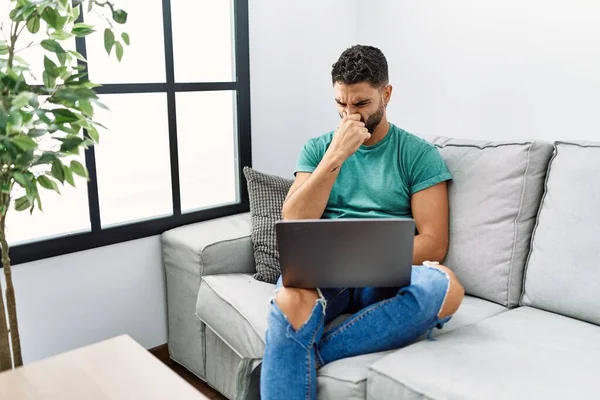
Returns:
(377,181)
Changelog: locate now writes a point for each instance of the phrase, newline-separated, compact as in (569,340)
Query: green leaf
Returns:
(79,169)
(34,133)
(67,129)
(62,57)
(69,175)
(39,202)
(22,203)
(51,17)
(29,10)
(17,14)
(32,192)
(52,45)
(20,101)
(119,16)
(76,12)
(49,81)
(75,78)
(50,67)
(48,183)
(93,134)
(70,143)
(125,37)
(33,25)
(57,170)
(77,55)
(119,50)
(61,22)
(15,121)
(45,158)
(3,48)
(3,119)
(27,116)
(109,40)
(64,2)
(25,158)
(24,142)
(12,150)
(81,30)
(86,93)
(63,115)
(61,35)
(86,107)
(20,179)
(34,101)
(90,85)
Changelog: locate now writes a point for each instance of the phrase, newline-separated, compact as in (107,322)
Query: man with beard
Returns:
(366,168)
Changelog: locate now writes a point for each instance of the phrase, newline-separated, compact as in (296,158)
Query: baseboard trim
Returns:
(161,352)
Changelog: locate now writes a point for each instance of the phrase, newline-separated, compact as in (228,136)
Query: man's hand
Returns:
(348,137)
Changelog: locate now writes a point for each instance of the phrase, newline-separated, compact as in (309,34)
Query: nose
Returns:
(349,110)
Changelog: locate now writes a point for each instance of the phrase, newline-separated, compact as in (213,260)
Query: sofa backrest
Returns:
(494,199)
(563,270)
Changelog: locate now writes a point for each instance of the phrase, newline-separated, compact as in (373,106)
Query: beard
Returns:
(374,119)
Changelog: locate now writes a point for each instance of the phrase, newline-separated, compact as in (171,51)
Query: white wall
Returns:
(490,69)
(292,47)
(77,299)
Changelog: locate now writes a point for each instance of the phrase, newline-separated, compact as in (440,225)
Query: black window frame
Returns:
(98,236)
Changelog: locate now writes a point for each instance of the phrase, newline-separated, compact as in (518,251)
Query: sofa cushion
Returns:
(346,378)
(494,198)
(235,307)
(520,354)
(471,311)
(563,271)
(266,194)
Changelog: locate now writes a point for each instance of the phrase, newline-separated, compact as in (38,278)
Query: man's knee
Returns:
(454,296)
(296,304)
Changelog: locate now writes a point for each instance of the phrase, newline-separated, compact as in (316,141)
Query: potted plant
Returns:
(42,124)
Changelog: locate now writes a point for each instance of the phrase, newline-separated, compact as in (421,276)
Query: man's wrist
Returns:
(332,161)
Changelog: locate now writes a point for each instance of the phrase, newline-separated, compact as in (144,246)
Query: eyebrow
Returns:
(356,103)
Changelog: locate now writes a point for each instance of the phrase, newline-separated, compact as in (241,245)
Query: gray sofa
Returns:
(525,243)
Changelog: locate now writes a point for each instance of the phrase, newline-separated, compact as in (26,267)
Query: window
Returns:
(177,131)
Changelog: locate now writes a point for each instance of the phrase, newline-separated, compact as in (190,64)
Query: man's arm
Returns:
(307,198)
(430,212)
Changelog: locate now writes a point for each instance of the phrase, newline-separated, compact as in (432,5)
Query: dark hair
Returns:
(361,64)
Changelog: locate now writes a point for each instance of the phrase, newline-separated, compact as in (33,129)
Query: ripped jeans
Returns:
(382,319)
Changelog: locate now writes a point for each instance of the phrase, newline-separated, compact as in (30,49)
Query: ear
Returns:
(387,94)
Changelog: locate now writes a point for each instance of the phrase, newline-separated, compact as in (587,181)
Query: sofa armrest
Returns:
(218,246)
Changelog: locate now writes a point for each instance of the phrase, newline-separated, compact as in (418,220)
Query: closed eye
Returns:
(359,104)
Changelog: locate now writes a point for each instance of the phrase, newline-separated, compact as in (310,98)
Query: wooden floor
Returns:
(162,353)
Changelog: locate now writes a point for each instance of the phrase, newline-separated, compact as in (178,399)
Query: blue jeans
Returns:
(383,319)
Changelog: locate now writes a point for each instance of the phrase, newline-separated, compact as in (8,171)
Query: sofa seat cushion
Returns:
(471,311)
(235,307)
(524,353)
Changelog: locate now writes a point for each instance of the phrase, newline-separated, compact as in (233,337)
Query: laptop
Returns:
(328,253)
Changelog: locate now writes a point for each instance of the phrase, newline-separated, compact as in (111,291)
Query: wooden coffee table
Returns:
(118,368)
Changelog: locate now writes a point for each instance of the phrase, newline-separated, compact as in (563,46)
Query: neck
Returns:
(380,132)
